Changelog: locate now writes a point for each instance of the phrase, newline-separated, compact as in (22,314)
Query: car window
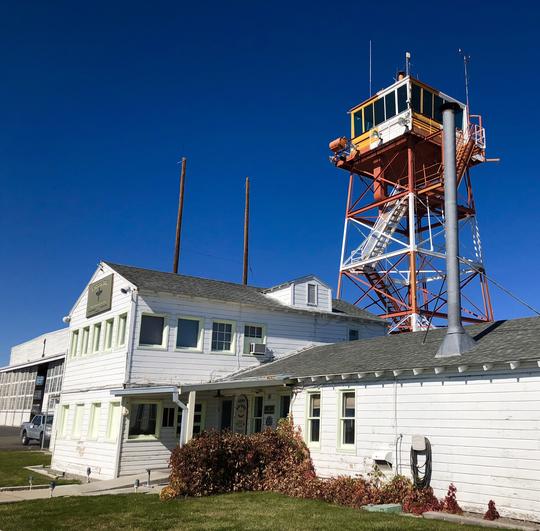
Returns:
(36,421)
(49,420)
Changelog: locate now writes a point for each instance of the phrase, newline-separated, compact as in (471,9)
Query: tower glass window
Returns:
(222,336)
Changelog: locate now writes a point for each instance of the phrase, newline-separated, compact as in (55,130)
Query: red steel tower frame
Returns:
(393,253)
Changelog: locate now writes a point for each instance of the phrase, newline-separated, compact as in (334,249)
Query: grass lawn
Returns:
(251,510)
(13,473)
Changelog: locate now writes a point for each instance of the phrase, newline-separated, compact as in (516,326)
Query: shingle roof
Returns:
(500,341)
(164,282)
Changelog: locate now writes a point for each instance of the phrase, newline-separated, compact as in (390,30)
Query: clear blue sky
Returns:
(100,99)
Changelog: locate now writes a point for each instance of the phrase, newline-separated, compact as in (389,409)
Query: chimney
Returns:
(456,341)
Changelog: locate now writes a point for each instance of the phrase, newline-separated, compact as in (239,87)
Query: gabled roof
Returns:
(305,278)
(163,282)
(497,342)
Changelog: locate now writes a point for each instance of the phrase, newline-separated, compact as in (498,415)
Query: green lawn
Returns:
(13,473)
(253,510)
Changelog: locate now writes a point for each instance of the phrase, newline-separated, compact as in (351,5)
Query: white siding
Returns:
(324,296)
(484,432)
(286,332)
(102,369)
(75,454)
(284,295)
(50,344)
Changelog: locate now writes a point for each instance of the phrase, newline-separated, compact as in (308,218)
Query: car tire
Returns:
(24,439)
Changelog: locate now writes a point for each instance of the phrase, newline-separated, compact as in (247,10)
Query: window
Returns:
(62,424)
(121,332)
(346,418)
(189,333)
(36,421)
(416,93)
(379,111)
(257,414)
(109,323)
(314,417)
(152,332)
(427,103)
(402,98)
(113,422)
(74,343)
(368,117)
(437,104)
(96,337)
(222,336)
(390,104)
(77,421)
(253,334)
(459,119)
(143,421)
(93,424)
(167,420)
(358,125)
(312,294)
(199,418)
(85,340)
(284,406)
(354,335)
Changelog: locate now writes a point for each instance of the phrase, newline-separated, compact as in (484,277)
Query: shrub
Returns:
(491,513)
(396,490)
(449,503)
(419,501)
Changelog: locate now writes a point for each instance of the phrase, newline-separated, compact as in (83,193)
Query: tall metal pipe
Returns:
(179,217)
(246,236)
(456,341)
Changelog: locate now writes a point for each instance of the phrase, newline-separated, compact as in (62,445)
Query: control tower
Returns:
(393,251)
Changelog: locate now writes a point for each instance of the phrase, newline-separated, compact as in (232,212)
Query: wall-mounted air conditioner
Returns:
(257,348)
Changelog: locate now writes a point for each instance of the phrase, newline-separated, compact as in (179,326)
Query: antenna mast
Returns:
(246,236)
(466,59)
(370,68)
(179,217)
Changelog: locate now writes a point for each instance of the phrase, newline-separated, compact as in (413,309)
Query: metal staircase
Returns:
(385,226)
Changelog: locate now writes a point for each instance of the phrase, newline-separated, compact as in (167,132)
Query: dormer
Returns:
(308,293)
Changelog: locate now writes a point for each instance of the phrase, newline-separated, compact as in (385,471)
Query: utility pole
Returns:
(179,218)
(246,235)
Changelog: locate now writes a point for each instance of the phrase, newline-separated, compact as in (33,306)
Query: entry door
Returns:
(226,414)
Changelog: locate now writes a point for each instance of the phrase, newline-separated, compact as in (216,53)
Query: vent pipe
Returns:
(456,341)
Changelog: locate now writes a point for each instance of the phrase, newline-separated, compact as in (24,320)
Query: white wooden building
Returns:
(32,381)
(137,337)
(361,403)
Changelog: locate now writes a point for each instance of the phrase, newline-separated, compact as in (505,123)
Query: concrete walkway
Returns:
(123,484)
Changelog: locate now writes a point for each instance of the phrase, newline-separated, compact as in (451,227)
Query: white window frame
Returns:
(63,417)
(202,423)
(263,339)
(85,345)
(108,335)
(96,347)
(124,317)
(252,417)
(111,429)
(175,415)
(316,294)
(93,423)
(200,339)
(341,420)
(164,333)
(74,345)
(77,425)
(159,415)
(309,418)
(232,349)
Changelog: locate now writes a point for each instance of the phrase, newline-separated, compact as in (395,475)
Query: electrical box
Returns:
(419,443)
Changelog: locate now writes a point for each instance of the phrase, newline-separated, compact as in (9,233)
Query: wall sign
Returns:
(99,296)
(240,414)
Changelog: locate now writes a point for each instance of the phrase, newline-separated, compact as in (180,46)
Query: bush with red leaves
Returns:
(419,501)
(491,513)
(449,503)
